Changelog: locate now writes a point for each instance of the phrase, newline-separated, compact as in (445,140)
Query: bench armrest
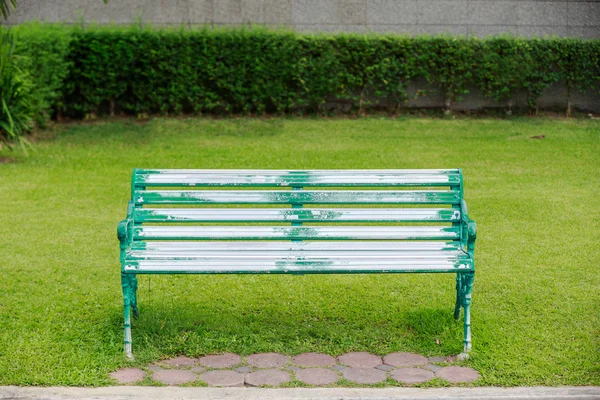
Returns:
(124,238)
(122,233)
(471,232)
(469,229)
(123,229)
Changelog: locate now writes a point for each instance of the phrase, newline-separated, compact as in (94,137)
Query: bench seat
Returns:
(295,258)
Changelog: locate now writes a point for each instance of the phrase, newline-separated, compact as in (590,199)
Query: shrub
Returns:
(45,47)
(578,65)
(501,67)
(139,70)
(446,62)
(16,111)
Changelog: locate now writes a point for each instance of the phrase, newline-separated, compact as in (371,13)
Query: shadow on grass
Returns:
(195,330)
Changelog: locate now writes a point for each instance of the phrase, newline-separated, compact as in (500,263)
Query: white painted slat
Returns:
(290,266)
(306,233)
(331,246)
(291,171)
(291,215)
(141,197)
(191,254)
(298,177)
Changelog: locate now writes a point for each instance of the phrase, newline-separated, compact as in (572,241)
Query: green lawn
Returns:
(536,303)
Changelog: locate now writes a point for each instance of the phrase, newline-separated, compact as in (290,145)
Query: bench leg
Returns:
(468,288)
(459,300)
(133,284)
(127,299)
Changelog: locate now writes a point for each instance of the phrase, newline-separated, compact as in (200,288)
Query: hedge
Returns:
(136,70)
(46,47)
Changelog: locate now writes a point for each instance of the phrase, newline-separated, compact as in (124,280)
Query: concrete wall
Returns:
(575,18)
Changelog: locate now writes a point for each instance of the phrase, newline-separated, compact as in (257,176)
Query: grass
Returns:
(535,310)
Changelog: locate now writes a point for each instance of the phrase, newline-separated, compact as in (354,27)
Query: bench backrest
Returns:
(171,204)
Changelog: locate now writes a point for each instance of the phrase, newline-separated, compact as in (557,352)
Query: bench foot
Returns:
(128,353)
(127,334)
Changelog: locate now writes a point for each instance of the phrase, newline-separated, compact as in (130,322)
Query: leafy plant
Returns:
(5,6)
(502,64)
(16,111)
(138,70)
(578,67)
(447,62)
(45,48)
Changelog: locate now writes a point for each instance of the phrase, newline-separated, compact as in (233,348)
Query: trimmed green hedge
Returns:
(106,70)
(46,47)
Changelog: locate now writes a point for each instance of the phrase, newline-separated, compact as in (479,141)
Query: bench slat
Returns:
(298,178)
(331,246)
(295,232)
(296,197)
(249,255)
(142,171)
(433,177)
(286,265)
(295,215)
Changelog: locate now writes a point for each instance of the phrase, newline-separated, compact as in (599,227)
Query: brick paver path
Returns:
(360,360)
(405,360)
(366,376)
(128,375)
(174,376)
(267,360)
(458,374)
(271,377)
(226,360)
(315,369)
(317,376)
(411,375)
(314,360)
(223,378)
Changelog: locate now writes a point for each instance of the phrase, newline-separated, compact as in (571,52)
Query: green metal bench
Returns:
(176,225)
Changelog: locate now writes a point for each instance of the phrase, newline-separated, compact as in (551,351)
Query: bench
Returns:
(319,222)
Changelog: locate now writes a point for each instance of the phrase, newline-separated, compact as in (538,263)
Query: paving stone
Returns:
(411,375)
(364,375)
(174,376)
(181,361)
(385,367)
(437,359)
(432,367)
(128,375)
(360,360)
(227,360)
(405,360)
(244,370)
(198,370)
(271,377)
(223,378)
(292,368)
(458,374)
(155,368)
(267,360)
(314,360)
(317,376)
(339,367)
